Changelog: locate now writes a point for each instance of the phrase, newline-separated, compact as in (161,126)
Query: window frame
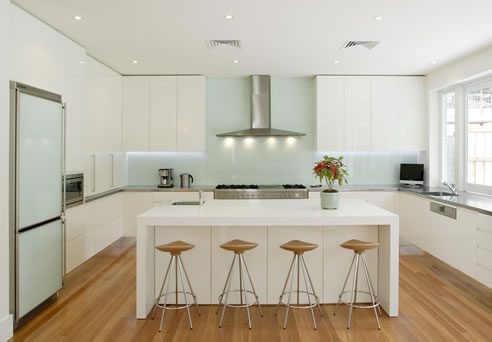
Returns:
(470,187)
(443,131)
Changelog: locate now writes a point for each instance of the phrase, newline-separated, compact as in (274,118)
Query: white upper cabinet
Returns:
(412,128)
(384,114)
(191,123)
(163,103)
(330,106)
(370,113)
(164,113)
(104,117)
(357,113)
(136,113)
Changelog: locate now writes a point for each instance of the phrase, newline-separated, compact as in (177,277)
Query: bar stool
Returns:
(299,247)
(359,247)
(238,247)
(175,248)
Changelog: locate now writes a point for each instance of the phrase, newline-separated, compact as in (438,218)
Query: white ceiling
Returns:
(279,37)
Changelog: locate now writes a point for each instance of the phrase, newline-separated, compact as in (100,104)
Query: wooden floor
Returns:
(437,303)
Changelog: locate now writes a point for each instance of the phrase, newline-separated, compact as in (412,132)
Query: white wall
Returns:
(466,69)
(5,318)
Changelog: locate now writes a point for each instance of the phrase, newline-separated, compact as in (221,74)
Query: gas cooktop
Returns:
(254,191)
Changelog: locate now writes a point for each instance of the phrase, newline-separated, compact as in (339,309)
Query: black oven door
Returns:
(74,190)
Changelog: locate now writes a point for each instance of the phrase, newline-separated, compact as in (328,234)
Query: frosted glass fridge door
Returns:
(39,134)
(40,265)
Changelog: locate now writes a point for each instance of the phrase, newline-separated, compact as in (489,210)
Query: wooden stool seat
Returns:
(359,246)
(176,247)
(238,246)
(298,246)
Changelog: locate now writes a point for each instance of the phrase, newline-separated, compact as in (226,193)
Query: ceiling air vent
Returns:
(214,44)
(368,44)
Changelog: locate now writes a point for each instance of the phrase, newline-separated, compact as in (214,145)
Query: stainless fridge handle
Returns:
(93,172)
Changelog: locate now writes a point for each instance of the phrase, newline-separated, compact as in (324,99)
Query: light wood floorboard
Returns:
(437,303)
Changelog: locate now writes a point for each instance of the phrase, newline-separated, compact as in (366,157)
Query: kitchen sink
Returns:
(439,193)
(186,203)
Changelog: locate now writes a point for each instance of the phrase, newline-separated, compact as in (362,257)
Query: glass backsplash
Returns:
(262,160)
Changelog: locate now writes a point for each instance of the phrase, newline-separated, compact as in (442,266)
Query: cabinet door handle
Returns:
(112,170)
(93,172)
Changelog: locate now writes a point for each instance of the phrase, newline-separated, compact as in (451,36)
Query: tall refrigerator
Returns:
(36,199)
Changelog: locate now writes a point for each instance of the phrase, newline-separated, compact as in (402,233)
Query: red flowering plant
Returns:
(331,170)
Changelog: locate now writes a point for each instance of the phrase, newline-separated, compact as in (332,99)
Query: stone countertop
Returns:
(193,188)
(467,200)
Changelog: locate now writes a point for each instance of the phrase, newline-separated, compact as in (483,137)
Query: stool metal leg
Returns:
(307,291)
(312,286)
(189,284)
(227,293)
(344,285)
(162,287)
(241,278)
(290,292)
(371,287)
(180,271)
(353,289)
(285,285)
(366,272)
(165,298)
(225,285)
(252,286)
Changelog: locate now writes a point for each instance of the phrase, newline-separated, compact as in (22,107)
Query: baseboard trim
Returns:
(6,328)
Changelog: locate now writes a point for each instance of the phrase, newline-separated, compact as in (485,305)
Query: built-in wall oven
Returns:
(74,189)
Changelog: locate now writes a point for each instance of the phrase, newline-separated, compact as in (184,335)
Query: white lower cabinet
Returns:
(465,243)
(255,260)
(279,260)
(92,227)
(483,249)
(196,261)
(135,204)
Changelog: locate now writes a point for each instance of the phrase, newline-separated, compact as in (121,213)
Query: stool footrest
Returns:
(369,305)
(300,306)
(167,306)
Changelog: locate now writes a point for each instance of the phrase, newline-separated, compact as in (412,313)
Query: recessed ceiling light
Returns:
(336,62)
(235,61)
(77,17)
(135,61)
(82,62)
(228,17)
(378,18)
(434,62)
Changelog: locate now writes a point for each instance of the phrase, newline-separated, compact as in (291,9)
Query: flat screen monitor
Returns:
(412,173)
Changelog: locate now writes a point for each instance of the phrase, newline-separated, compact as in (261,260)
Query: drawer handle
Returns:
(484,267)
(480,229)
(484,248)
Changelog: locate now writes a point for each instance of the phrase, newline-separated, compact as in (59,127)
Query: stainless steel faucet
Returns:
(201,201)
(452,187)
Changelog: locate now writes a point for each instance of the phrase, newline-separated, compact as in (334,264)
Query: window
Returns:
(479,138)
(448,137)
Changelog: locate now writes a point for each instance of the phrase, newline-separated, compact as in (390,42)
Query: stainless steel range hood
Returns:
(260,113)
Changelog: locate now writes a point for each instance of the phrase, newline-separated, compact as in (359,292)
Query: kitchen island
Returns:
(269,223)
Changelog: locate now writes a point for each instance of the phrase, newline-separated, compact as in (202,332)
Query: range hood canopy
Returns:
(260,113)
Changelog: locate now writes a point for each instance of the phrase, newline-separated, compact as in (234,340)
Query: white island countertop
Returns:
(267,213)
(268,216)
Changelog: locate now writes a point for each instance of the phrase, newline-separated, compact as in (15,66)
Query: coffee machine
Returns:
(166,177)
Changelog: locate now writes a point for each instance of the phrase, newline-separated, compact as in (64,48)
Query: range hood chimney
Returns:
(260,113)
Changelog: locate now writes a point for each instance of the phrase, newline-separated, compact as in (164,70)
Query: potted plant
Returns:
(331,170)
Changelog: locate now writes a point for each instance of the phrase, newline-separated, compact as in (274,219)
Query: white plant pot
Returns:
(329,200)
